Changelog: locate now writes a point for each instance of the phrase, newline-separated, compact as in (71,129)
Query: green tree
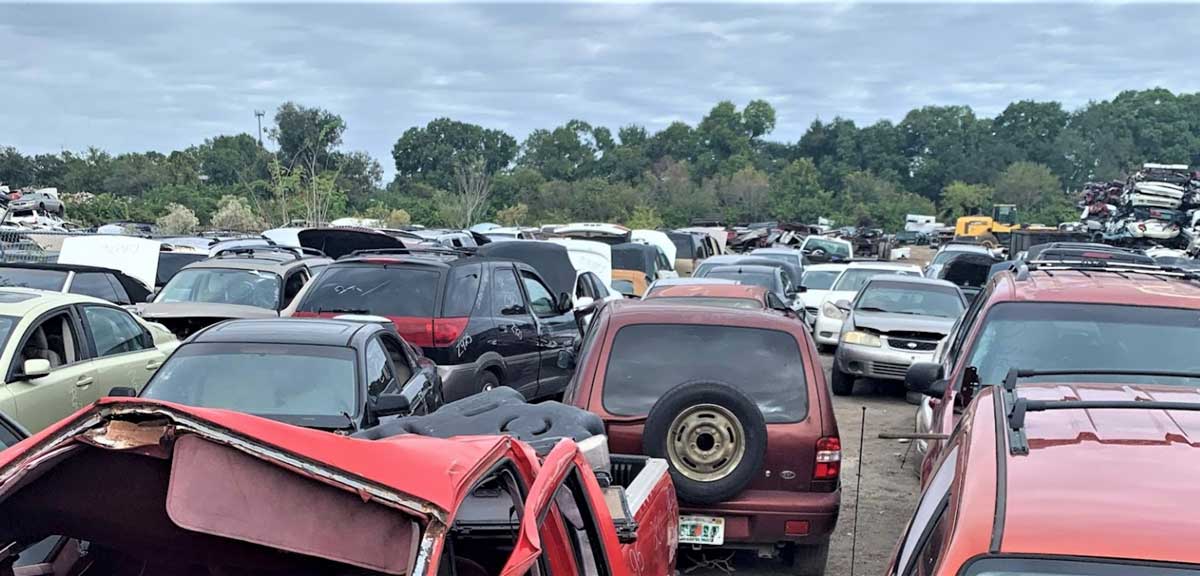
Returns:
(15,169)
(644,217)
(962,199)
(178,220)
(233,213)
(429,154)
(796,194)
(514,215)
(1026,184)
(306,136)
(568,152)
(229,160)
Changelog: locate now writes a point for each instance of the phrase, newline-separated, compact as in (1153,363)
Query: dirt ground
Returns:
(889,491)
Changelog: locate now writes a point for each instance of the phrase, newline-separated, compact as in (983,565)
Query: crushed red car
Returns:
(131,486)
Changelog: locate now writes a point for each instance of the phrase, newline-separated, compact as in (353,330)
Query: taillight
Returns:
(829,458)
(446,331)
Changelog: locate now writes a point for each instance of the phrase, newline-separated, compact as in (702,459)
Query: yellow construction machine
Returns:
(991,231)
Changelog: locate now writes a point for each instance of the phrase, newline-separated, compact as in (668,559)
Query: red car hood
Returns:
(384,469)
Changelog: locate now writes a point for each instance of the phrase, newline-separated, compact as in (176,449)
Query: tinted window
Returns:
(1075,336)
(461,290)
(831,247)
(853,279)
(787,258)
(930,505)
(96,285)
(910,299)
(381,290)
(52,280)
(739,303)
(752,279)
(7,437)
(819,279)
(223,286)
(648,359)
(540,299)
(506,295)
(263,379)
(293,285)
(624,286)
(169,264)
(379,374)
(113,331)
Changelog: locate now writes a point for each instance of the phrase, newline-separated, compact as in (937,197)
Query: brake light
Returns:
(829,458)
(446,331)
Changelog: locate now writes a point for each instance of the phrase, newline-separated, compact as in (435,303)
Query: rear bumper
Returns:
(758,517)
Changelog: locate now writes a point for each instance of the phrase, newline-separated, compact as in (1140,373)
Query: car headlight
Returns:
(861,339)
(831,311)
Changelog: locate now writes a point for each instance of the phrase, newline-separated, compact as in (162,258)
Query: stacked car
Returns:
(1155,205)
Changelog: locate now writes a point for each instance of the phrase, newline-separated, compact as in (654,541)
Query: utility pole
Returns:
(259,114)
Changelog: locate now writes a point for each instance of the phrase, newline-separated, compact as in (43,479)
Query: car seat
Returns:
(38,346)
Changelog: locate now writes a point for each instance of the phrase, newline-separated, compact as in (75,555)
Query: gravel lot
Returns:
(889,492)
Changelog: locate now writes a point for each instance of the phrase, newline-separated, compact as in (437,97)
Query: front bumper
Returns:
(760,516)
(827,330)
(882,363)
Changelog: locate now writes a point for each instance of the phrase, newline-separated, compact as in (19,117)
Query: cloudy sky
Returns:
(151,76)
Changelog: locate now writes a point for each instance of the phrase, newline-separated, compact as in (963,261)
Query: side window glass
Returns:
(293,285)
(540,299)
(931,505)
(583,285)
(54,340)
(113,331)
(395,351)
(964,326)
(931,551)
(94,284)
(506,297)
(379,374)
(462,290)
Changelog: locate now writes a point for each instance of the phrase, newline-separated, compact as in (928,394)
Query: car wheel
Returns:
(488,380)
(913,398)
(807,560)
(841,382)
(712,436)
(826,348)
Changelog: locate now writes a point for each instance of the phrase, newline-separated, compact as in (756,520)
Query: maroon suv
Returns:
(736,402)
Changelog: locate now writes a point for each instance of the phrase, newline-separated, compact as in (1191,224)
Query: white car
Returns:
(829,319)
(817,280)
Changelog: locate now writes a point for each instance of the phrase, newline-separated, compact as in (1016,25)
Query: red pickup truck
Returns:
(736,402)
(133,486)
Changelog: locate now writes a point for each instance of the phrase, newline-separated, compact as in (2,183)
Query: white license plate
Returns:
(706,530)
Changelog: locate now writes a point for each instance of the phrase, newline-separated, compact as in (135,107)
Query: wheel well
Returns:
(497,371)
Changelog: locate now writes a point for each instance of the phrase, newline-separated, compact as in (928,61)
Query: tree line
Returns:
(943,160)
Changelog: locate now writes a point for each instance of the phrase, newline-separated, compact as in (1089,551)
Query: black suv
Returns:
(486,322)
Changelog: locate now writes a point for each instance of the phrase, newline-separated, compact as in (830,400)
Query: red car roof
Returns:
(711,291)
(1098,287)
(432,470)
(1112,483)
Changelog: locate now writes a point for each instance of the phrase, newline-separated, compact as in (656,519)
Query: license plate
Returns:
(706,530)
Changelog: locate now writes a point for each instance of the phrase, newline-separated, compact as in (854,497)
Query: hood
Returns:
(338,242)
(156,311)
(886,322)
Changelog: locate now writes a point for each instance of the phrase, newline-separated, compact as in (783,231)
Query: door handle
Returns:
(84,381)
(153,364)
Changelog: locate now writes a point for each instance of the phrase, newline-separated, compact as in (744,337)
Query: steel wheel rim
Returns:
(706,443)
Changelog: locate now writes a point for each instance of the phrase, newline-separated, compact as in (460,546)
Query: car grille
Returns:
(889,369)
(916,345)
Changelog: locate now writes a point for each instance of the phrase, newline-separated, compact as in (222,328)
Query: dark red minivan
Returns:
(736,402)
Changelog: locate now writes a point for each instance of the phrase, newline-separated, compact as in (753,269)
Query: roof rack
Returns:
(294,252)
(442,250)
(1015,408)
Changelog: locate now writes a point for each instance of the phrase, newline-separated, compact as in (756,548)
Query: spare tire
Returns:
(712,436)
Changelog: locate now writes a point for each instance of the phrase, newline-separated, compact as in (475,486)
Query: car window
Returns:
(52,280)
(764,280)
(395,351)
(646,360)
(931,550)
(8,436)
(394,291)
(910,299)
(829,246)
(462,289)
(965,325)
(819,279)
(541,301)
(53,339)
(223,286)
(930,505)
(379,373)
(112,331)
(624,287)
(96,285)
(294,284)
(506,296)
(853,279)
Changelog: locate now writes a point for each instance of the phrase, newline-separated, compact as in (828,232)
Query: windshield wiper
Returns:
(343,311)
(872,309)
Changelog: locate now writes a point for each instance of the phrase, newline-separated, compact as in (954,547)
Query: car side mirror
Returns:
(801,289)
(564,302)
(566,359)
(122,392)
(35,368)
(843,305)
(583,302)
(926,378)
(391,405)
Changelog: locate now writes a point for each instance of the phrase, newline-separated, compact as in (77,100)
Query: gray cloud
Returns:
(155,76)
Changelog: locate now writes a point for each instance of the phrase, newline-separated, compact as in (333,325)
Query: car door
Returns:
(38,402)
(123,351)
(412,381)
(555,330)
(514,335)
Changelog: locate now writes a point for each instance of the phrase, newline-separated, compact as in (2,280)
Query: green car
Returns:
(61,352)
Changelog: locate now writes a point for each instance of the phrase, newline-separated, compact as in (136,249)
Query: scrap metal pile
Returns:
(1158,205)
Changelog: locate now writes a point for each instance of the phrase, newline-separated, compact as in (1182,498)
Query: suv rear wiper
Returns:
(343,311)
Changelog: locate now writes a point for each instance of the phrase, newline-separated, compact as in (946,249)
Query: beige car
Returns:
(61,352)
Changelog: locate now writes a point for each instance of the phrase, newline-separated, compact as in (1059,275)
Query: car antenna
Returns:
(857,489)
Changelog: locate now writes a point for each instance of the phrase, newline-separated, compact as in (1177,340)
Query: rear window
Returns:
(379,290)
(649,359)
(462,289)
(750,279)
(52,280)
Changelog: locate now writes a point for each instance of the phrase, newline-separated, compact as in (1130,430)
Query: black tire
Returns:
(826,348)
(747,426)
(841,382)
(488,380)
(807,559)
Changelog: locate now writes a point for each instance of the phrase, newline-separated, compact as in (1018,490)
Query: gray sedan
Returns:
(893,322)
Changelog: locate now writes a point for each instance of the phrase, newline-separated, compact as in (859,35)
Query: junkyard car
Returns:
(817,280)
(824,249)
(773,279)
(828,327)
(63,351)
(141,487)
(946,251)
(103,283)
(690,250)
(736,401)
(893,322)
(242,283)
(43,199)
(339,375)
(731,295)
